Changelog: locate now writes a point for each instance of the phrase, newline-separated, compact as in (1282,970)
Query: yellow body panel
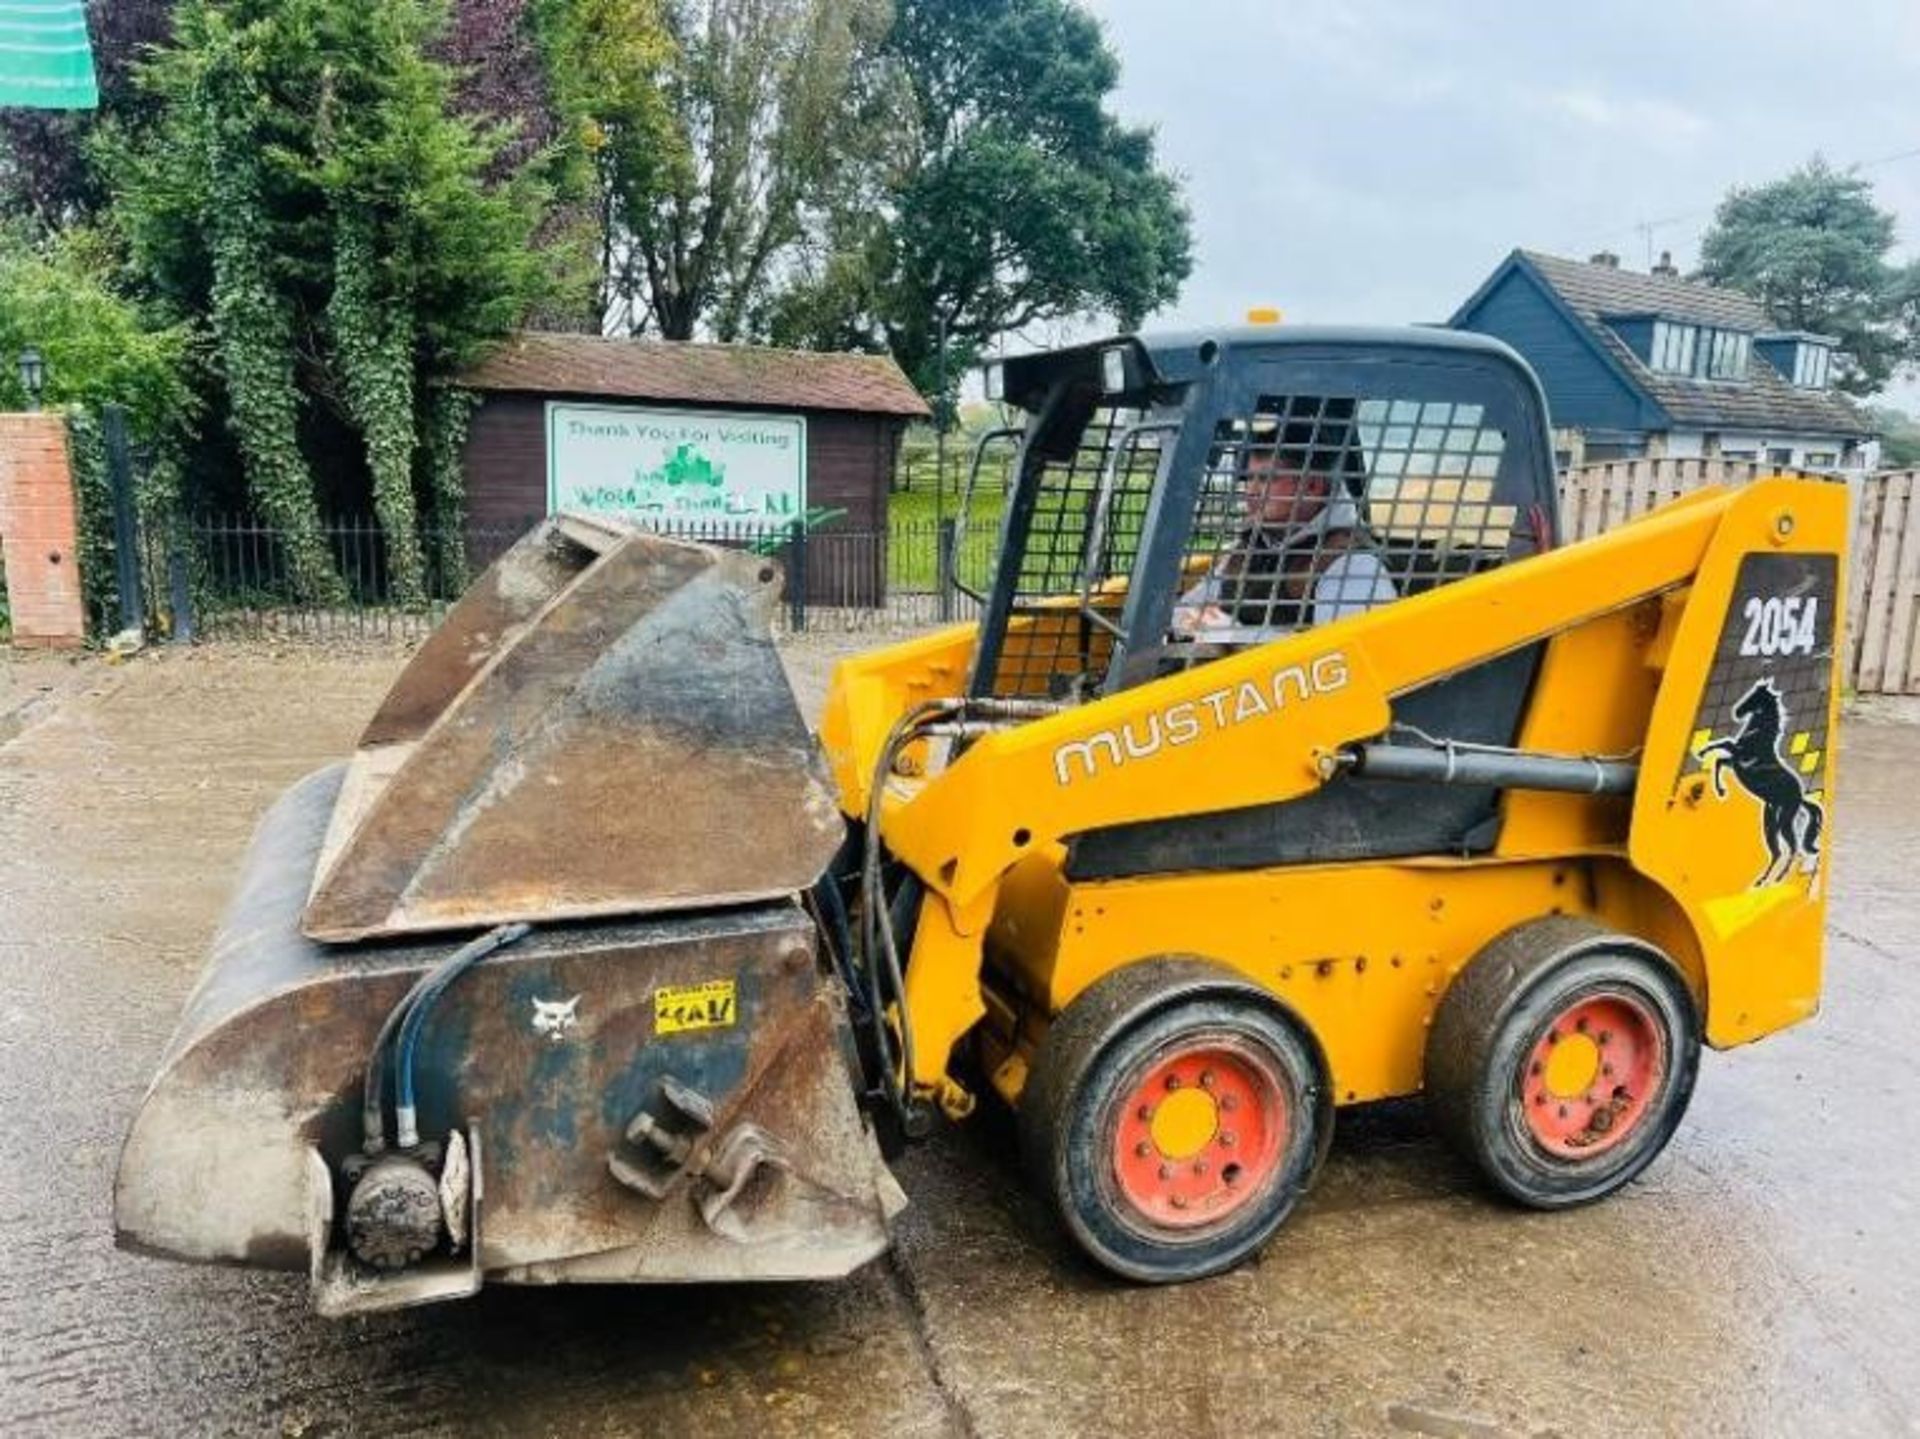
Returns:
(1632,621)
(1360,952)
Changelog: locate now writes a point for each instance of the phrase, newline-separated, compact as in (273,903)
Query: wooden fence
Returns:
(1883,644)
(1883,582)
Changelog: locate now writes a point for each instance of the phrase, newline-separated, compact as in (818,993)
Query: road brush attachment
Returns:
(523,991)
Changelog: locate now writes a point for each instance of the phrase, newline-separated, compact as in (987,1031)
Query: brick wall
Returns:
(38,535)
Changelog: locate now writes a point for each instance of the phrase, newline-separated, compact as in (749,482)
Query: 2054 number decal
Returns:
(1781,625)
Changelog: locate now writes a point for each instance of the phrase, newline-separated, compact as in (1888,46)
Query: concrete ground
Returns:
(1759,1279)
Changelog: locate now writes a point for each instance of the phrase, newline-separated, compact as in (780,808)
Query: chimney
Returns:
(1666,268)
(1606,260)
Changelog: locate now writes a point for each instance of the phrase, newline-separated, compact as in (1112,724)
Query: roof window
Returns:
(1699,351)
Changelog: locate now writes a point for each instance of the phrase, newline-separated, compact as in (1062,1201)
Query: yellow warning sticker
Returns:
(682,1007)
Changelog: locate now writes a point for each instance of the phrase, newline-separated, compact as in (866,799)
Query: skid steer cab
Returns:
(1291,763)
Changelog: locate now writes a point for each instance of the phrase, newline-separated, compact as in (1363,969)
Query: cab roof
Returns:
(1168,358)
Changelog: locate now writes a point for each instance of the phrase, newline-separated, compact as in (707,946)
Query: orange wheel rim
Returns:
(1200,1134)
(1592,1075)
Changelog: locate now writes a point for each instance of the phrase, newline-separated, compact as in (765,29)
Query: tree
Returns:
(307,191)
(97,347)
(762,126)
(1013,198)
(1812,248)
(493,48)
(1899,436)
(604,61)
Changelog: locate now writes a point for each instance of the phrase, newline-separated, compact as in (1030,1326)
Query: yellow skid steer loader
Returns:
(1291,763)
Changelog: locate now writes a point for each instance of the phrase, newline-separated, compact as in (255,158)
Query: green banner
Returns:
(45,60)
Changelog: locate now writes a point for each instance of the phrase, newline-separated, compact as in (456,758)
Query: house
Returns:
(1654,365)
(701,439)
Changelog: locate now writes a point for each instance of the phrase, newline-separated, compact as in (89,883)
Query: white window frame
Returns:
(1723,355)
(1674,347)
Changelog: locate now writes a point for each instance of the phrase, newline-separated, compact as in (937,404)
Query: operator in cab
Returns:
(1299,555)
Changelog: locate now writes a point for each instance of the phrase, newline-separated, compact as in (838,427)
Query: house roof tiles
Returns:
(1764,401)
(686,372)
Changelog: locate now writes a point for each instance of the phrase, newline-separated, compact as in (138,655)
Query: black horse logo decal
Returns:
(1789,820)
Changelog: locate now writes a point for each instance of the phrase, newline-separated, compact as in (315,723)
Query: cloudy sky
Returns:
(1371,160)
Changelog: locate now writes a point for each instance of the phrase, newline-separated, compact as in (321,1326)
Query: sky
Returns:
(1373,160)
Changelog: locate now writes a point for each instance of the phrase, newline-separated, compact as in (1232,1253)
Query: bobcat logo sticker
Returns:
(556,1018)
(1789,821)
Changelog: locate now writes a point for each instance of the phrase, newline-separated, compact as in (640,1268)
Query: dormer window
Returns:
(1699,351)
(1673,347)
(1728,357)
(1805,359)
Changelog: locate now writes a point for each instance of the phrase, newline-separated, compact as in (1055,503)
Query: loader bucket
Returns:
(600,726)
(543,1058)
(657,1083)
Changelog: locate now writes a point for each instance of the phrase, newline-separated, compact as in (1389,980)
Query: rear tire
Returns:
(1174,1117)
(1561,1060)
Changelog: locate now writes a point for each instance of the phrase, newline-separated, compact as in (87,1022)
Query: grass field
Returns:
(918,507)
(914,513)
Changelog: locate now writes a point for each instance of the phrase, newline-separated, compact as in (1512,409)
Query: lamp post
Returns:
(33,375)
(943,540)
(940,431)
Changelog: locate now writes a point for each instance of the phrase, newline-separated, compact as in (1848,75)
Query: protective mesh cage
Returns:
(1071,582)
(1315,507)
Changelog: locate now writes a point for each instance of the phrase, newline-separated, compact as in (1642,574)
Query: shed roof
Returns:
(1765,400)
(686,372)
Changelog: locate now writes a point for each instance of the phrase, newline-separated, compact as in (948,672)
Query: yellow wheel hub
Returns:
(1184,1122)
(1572,1064)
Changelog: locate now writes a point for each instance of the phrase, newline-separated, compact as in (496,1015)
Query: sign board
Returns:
(46,62)
(674,467)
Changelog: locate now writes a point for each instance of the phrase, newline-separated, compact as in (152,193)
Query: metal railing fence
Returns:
(233,576)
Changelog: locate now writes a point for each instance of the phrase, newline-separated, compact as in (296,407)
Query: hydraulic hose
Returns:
(406,1018)
(829,908)
(880,948)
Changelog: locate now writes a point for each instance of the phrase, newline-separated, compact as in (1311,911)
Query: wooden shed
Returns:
(691,438)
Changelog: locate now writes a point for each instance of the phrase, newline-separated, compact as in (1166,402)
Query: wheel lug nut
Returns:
(1143,1149)
(1228,1139)
(1607,1069)
(1605,1035)
(1534,1069)
(1179,1201)
(1206,1079)
(1229,1103)
(1173,1081)
(1199,1166)
(1581,1024)
(1563,1111)
(1166,1171)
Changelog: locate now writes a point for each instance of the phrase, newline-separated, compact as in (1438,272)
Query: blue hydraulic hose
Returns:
(406,1121)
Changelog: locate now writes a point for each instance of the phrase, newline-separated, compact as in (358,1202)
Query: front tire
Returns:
(1561,1060)
(1174,1118)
